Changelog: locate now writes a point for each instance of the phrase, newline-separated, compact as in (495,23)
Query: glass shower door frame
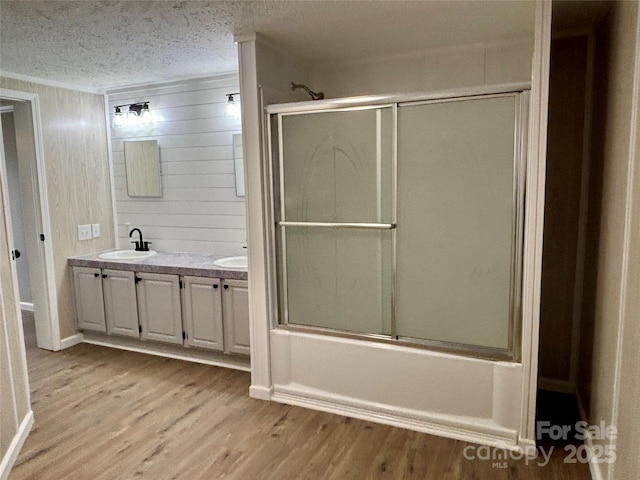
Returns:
(282,223)
(520,92)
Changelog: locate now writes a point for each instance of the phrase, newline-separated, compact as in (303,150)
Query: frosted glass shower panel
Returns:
(456,220)
(339,278)
(337,166)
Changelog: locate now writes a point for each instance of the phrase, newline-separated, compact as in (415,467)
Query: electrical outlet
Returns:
(84,232)
(95,230)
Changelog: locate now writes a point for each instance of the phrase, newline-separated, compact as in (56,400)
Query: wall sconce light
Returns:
(138,114)
(233,106)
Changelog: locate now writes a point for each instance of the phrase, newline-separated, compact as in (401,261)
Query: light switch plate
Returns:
(84,232)
(95,230)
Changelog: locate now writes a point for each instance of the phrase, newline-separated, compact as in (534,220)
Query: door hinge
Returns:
(42,237)
(139,328)
(137,280)
(184,335)
(180,283)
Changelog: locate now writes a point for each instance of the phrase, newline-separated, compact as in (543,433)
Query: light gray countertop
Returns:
(197,265)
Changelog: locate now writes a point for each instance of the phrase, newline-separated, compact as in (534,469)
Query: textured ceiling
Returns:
(107,44)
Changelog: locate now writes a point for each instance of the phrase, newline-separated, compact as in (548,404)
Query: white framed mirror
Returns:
(142,165)
(238,161)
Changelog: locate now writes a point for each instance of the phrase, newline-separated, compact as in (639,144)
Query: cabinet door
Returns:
(202,312)
(87,286)
(235,311)
(159,307)
(120,304)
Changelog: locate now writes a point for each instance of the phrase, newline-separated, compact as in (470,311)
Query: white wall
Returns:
(425,71)
(610,336)
(199,211)
(13,179)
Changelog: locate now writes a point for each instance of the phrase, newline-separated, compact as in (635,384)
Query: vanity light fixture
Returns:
(233,106)
(138,113)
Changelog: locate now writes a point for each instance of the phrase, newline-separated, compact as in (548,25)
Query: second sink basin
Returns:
(125,255)
(239,263)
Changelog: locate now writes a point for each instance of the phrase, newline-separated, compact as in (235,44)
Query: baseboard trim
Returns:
(16,445)
(169,351)
(554,385)
(482,431)
(594,467)
(71,341)
(26,306)
(261,393)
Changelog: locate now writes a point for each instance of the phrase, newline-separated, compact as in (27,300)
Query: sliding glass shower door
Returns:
(335,215)
(456,216)
(403,222)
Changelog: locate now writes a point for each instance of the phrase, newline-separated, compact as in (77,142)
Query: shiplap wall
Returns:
(199,211)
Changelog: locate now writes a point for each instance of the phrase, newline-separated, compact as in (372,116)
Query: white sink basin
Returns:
(126,255)
(232,263)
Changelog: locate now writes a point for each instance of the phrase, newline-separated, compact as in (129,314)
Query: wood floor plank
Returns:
(102,413)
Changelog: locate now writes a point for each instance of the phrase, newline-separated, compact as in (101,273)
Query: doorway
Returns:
(22,168)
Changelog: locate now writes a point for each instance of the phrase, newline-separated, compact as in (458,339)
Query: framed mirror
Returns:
(142,165)
(238,161)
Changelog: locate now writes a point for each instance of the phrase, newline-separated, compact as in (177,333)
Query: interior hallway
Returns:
(112,414)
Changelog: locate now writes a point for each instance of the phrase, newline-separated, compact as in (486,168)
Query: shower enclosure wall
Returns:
(400,219)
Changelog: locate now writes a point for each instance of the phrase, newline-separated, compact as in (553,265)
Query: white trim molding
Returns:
(68,342)
(482,431)
(49,339)
(166,350)
(16,445)
(534,212)
(48,82)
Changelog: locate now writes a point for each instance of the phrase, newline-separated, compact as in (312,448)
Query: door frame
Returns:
(48,327)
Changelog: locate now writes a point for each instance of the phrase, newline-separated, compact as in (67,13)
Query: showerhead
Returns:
(312,94)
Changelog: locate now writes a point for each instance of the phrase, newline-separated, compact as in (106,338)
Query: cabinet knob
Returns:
(226,286)
(104,275)
(96,275)
(215,285)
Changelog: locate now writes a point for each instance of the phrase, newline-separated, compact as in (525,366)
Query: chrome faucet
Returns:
(140,245)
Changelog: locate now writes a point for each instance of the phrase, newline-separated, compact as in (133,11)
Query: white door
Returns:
(235,311)
(120,305)
(89,299)
(202,312)
(159,307)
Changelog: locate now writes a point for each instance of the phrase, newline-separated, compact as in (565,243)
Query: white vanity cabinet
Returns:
(159,307)
(202,312)
(120,306)
(90,313)
(235,308)
(198,312)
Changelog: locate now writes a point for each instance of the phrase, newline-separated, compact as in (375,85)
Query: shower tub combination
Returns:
(397,235)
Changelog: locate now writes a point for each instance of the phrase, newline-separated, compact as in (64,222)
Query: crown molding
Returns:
(50,83)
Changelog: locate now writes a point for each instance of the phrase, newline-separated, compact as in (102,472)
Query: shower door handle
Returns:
(370,226)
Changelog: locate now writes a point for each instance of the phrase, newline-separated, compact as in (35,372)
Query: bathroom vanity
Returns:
(168,299)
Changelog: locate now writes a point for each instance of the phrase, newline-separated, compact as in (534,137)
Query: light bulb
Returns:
(233,107)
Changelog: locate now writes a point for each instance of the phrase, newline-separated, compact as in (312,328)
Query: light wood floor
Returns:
(102,413)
